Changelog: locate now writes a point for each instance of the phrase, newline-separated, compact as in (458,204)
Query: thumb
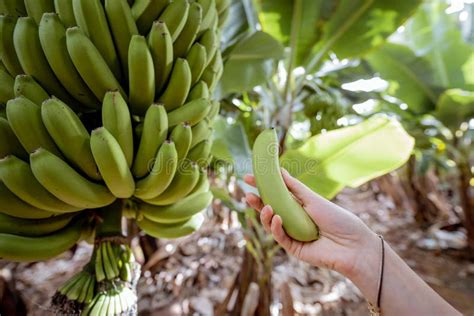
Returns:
(299,190)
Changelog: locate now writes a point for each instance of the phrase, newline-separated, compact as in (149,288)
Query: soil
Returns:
(192,275)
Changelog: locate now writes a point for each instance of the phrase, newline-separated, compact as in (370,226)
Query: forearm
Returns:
(403,291)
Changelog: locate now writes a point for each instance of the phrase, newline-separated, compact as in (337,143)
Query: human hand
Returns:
(345,241)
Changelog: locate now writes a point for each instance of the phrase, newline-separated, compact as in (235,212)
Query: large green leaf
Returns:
(455,107)
(249,63)
(231,146)
(357,26)
(299,20)
(350,156)
(410,76)
(434,34)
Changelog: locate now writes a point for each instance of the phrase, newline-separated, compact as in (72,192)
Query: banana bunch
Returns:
(80,288)
(116,300)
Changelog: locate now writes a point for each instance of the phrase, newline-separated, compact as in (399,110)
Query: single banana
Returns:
(7,50)
(141,75)
(7,84)
(26,86)
(145,12)
(155,129)
(203,184)
(213,71)
(20,248)
(12,205)
(107,262)
(66,184)
(70,135)
(99,264)
(52,35)
(183,182)
(9,144)
(90,64)
(90,291)
(17,176)
(274,192)
(200,90)
(171,231)
(36,8)
(90,17)
(25,120)
(32,59)
(177,212)
(200,132)
(162,173)
(175,16)
(182,135)
(123,27)
(189,33)
(13,7)
(197,60)
(200,153)
(161,49)
(85,288)
(30,228)
(214,110)
(192,112)
(208,12)
(210,41)
(66,12)
(113,258)
(112,163)
(117,120)
(178,86)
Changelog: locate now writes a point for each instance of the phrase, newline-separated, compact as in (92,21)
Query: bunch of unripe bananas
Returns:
(323,111)
(105,106)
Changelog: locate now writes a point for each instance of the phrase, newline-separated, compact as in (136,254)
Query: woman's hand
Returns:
(345,240)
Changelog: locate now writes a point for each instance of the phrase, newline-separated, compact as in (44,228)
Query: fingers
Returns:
(266,216)
(250,180)
(254,201)
(280,235)
(299,190)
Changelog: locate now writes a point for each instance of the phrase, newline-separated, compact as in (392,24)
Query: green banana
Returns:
(197,59)
(30,228)
(123,27)
(210,41)
(90,64)
(13,7)
(85,288)
(112,163)
(213,71)
(192,112)
(182,135)
(69,284)
(162,173)
(189,33)
(32,59)
(113,259)
(75,291)
(66,184)
(9,144)
(20,248)
(90,305)
(200,132)
(17,176)
(145,12)
(183,182)
(161,49)
(214,110)
(25,120)
(90,292)
(200,90)
(178,86)
(177,212)
(203,184)
(12,205)
(171,231)
(26,86)
(155,129)
(175,16)
(52,35)
(90,17)
(141,75)
(36,8)
(209,11)
(117,120)
(66,12)
(274,192)
(200,153)
(99,264)
(99,306)
(107,262)
(7,50)
(70,135)
(7,84)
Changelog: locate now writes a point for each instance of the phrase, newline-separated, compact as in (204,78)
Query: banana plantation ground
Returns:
(193,275)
